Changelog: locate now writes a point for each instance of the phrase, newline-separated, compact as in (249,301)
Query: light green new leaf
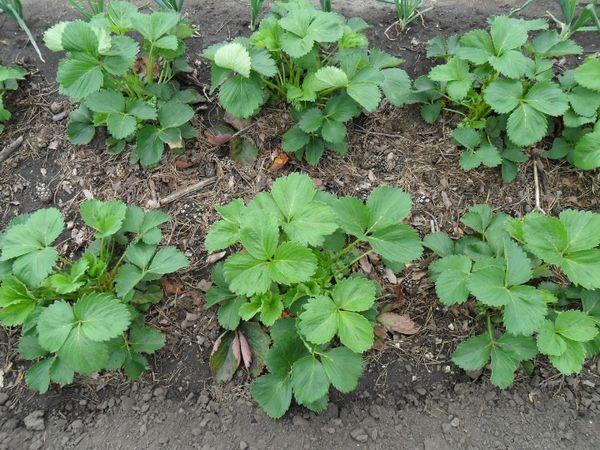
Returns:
(104,217)
(234,56)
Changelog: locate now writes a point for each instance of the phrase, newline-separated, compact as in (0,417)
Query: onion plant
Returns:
(407,12)
(172,5)
(325,5)
(88,8)
(255,7)
(14,9)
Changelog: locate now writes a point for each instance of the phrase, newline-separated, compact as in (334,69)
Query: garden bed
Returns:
(411,395)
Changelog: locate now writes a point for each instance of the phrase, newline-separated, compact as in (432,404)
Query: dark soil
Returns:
(411,395)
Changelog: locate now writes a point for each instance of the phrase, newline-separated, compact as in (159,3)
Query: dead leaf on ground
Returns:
(245,349)
(279,162)
(235,122)
(219,134)
(214,257)
(171,286)
(399,323)
(183,163)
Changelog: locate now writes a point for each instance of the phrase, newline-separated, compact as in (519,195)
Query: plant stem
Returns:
(490,328)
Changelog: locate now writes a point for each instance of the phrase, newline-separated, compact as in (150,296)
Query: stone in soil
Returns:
(35,421)
(359,435)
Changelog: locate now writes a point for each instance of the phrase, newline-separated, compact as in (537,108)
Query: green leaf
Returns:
(145,339)
(587,151)
(467,137)
(30,348)
(524,311)
(292,263)
(295,139)
(105,101)
(319,321)
(243,151)
(571,360)
(271,309)
(104,217)
(101,317)
(329,78)
(397,243)
(81,129)
(549,342)
(451,284)
(457,76)
(79,76)
(503,367)
(225,232)
(311,120)
(37,376)
(507,33)
(526,125)
(583,229)
(588,74)
(354,294)
(259,235)
(512,64)
(174,114)
(396,86)
(149,148)
(168,260)
(576,326)
(343,368)
(128,277)
(355,331)
(440,243)
(353,215)
(546,237)
(82,354)
(518,264)
(154,26)
(474,353)
(548,98)
(309,380)
(273,394)
(242,97)
(388,206)
(503,95)
(39,231)
(247,275)
(54,325)
(225,359)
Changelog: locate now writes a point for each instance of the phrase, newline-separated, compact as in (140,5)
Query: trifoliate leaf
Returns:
(329,78)
(101,317)
(524,311)
(343,368)
(226,231)
(503,95)
(79,76)
(396,243)
(587,151)
(353,215)
(503,367)
(247,275)
(292,263)
(319,321)
(457,76)
(82,354)
(526,125)
(583,229)
(440,243)
(54,325)
(104,217)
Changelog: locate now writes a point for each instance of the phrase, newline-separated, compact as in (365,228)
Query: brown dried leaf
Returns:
(183,163)
(246,351)
(400,323)
(279,162)
(235,348)
(171,286)
(235,122)
(214,257)
(219,134)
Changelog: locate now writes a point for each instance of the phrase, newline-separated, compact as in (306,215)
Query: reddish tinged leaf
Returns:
(259,343)
(400,323)
(219,134)
(223,362)
(245,348)
(217,343)
(235,348)
(380,331)
(279,162)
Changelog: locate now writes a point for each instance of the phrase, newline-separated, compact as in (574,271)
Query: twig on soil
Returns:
(536,181)
(10,148)
(186,191)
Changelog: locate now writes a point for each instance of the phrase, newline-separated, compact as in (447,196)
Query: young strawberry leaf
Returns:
(104,217)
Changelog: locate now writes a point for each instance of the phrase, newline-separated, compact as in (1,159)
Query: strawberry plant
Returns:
(124,86)
(84,315)
(536,280)
(9,77)
(295,277)
(316,61)
(502,85)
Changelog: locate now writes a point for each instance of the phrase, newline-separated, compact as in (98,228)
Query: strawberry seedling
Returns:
(535,280)
(124,86)
(9,77)
(316,61)
(294,278)
(84,315)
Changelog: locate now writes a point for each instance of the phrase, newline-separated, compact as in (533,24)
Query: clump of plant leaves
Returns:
(9,78)
(502,84)
(536,280)
(84,315)
(294,278)
(125,86)
(316,61)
